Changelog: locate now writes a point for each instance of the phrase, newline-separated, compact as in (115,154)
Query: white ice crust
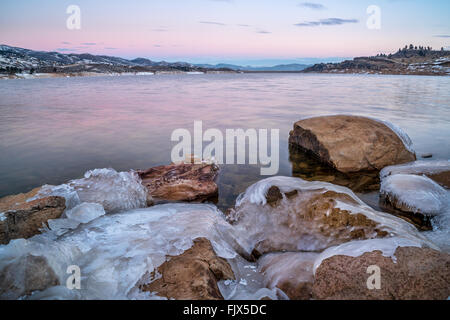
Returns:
(420,167)
(356,248)
(418,194)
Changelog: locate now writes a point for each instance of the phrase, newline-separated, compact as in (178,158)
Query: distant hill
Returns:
(279,68)
(17,60)
(409,60)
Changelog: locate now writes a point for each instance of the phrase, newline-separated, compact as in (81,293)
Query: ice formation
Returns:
(285,226)
(115,191)
(414,193)
(292,267)
(116,251)
(420,167)
(356,248)
(400,133)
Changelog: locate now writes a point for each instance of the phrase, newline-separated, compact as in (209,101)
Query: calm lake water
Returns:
(53,130)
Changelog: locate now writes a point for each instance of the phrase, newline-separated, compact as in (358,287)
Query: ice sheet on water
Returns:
(419,194)
(426,167)
(115,251)
(283,225)
(356,248)
(115,191)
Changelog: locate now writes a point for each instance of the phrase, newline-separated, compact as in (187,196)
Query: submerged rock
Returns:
(309,168)
(290,214)
(20,218)
(193,275)
(406,272)
(181,182)
(352,143)
(291,272)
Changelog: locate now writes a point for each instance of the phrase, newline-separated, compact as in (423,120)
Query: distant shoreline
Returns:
(125,74)
(98,74)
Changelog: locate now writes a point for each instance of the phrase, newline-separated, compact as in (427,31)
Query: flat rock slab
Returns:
(22,219)
(181,182)
(351,143)
(193,275)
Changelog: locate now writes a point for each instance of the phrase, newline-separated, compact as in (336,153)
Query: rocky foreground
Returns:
(147,235)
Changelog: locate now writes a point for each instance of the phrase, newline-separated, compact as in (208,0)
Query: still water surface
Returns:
(53,130)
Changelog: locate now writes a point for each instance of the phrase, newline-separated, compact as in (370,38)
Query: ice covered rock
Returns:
(291,214)
(22,219)
(115,191)
(437,170)
(24,275)
(407,271)
(181,182)
(352,143)
(114,252)
(193,275)
(292,272)
(415,194)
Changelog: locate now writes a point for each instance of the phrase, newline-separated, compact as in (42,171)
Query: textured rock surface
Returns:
(28,274)
(419,273)
(292,272)
(351,143)
(181,182)
(193,275)
(22,219)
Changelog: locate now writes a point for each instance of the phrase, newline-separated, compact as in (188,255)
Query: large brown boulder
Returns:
(181,182)
(291,214)
(192,275)
(417,274)
(351,143)
(22,219)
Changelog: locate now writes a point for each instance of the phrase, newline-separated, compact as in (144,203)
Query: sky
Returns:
(253,32)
